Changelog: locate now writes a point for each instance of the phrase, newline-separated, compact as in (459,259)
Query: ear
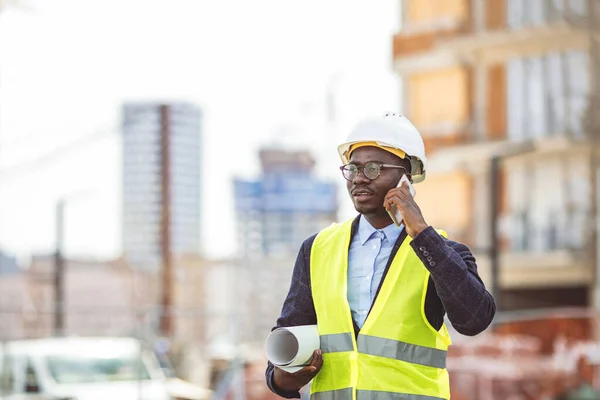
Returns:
(407,164)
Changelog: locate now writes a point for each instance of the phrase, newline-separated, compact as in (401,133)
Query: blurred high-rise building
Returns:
(508,83)
(277,212)
(161,182)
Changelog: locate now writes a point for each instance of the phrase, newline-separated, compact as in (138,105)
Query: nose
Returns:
(360,178)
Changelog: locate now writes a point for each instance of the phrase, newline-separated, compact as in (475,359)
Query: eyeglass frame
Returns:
(362,168)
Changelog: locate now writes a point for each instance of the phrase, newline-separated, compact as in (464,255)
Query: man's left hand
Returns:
(401,198)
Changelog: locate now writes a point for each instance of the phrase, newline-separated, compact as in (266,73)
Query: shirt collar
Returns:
(365,230)
(392,232)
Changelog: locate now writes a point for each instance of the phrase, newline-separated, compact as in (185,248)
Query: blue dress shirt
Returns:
(369,252)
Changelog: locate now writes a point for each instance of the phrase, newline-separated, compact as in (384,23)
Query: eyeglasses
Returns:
(371,170)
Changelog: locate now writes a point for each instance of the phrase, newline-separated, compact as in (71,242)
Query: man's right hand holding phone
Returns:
(401,199)
(294,381)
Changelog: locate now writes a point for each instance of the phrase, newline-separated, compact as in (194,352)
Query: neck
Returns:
(379,220)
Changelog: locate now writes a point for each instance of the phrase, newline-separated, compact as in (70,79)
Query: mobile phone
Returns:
(395,214)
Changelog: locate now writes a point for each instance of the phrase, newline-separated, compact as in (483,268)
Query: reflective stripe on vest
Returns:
(403,351)
(383,347)
(341,394)
(336,342)
(346,394)
(376,395)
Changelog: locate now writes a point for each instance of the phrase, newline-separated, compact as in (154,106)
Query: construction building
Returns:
(277,212)
(8,264)
(501,93)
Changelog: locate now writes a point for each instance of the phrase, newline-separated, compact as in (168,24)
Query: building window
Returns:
(555,98)
(516,99)
(539,222)
(577,89)
(577,7)
(547,95)
(534,70)
(535,11)
(516,13)
(524,13)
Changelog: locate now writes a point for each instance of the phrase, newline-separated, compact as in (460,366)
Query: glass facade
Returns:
(142,181)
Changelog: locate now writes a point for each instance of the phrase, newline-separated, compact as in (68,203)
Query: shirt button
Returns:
(367,277)
(363,312)
(374,247)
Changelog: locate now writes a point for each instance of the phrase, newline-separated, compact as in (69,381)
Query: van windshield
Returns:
(73,369)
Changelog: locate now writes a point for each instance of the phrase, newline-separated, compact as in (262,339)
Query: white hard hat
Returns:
(394,131)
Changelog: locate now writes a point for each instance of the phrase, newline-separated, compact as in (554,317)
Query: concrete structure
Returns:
(101,298)
(161,182)
(267,283)
(284,207)
(489,78)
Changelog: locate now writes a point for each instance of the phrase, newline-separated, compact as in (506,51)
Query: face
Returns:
(367,195)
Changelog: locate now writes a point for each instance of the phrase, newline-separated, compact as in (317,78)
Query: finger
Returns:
(316,361)
(394,200)
(317,357)
(316,364)
(400,192)
(404,190)
(404,195)
(388,204)
(390,195)
(319,361)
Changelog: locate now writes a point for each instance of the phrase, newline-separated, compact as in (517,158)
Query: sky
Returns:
(259,70)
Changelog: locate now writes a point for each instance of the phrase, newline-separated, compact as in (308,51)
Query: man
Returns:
(379,292)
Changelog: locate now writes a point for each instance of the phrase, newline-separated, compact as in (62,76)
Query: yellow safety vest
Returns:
(398,355)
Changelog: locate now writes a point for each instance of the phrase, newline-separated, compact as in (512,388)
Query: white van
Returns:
(80,369)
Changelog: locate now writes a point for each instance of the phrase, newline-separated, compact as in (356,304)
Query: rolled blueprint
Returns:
(291,348)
